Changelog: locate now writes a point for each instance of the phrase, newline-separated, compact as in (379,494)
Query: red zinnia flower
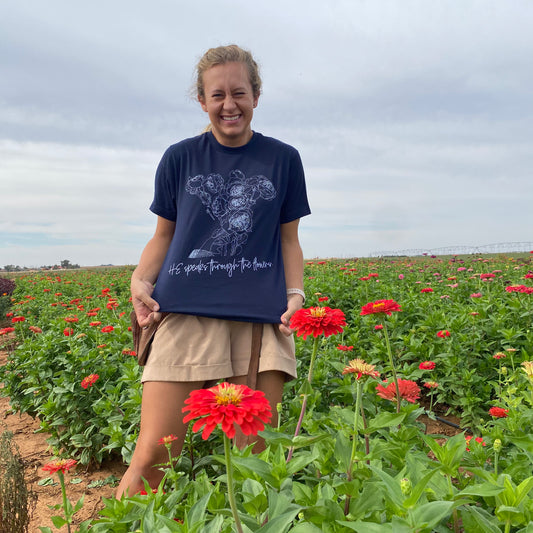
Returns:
(94,324)
(229,405)
(498,412)
(377,327)
(499,355)
(443,334)
(343,348)
(323,298)
(5,331)
(107,329)
(426,289)
(71,319)
(35,329)
(379,307)
(480,440)
(317,321)
(409,390)
(89,381)
(426,365)
(68,332)
(61,465)
(431,384)
(167,440)
(16,319)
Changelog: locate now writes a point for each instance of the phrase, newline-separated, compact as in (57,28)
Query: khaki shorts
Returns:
(197,348)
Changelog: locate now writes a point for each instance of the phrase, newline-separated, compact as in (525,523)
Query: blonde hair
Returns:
(227,54)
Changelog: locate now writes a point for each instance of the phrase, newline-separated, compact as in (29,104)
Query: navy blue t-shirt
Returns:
(225,258)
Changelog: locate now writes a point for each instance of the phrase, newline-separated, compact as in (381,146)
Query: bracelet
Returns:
(297,291)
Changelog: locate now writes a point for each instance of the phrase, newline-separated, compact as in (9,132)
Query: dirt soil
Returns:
(95,484)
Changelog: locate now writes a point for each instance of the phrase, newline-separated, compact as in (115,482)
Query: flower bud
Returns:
(405,486)
(504,370)
(497,445)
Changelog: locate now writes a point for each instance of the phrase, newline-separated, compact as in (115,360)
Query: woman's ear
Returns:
(202,103)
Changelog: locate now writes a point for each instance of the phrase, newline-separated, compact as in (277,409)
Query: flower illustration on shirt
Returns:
(230,204)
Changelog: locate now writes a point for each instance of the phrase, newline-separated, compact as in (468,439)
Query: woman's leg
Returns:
(271,383)
(161,415)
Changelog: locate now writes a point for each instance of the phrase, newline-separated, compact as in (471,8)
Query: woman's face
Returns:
(229,101)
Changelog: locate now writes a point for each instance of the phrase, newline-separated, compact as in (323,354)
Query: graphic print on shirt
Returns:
(231,206)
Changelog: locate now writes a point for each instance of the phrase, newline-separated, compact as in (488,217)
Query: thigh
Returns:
(161,415)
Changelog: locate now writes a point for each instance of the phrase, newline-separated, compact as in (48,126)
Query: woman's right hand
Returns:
(146,308)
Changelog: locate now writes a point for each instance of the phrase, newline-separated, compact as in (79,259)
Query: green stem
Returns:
(355,425)
(304,401)
(312,363)
(393,368)
(231,491)
(65,501)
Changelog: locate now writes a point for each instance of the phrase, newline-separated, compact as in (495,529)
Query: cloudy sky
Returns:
(414,118)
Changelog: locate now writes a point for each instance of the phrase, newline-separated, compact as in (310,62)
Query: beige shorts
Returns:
(197,348)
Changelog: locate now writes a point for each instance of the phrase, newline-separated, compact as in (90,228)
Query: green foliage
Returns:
(382,473)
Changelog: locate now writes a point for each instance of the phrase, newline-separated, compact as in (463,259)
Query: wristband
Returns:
(297,291)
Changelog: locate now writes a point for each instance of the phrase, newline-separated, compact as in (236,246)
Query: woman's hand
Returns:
(294,302)
(146,308)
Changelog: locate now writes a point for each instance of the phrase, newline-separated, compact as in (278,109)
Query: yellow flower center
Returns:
(317,312)
(229,395)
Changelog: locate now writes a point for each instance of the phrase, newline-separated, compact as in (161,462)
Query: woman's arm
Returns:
(293,261)
(145,275)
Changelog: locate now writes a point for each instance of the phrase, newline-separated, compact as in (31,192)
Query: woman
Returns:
(225,254)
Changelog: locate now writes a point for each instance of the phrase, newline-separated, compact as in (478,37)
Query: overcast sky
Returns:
(414,118)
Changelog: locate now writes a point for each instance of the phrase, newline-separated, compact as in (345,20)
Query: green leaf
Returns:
(430,514)
(485,490)
(58,521)
(475,519)
(384,420)
(367,527)
(47,481)
(76,481)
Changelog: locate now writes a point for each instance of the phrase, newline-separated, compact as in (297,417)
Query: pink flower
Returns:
(476,295)
(377,327)
(426,365)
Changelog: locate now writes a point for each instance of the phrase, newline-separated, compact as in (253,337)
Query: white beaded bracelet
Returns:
(297,291)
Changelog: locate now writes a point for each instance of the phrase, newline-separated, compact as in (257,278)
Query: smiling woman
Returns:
(225,264)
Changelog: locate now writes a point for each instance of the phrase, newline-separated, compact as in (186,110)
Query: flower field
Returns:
(380,343)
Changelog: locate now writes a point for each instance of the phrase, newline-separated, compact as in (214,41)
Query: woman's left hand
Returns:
(294,302)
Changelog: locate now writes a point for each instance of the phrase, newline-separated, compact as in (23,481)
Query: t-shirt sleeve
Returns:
(166,178)
(295,204)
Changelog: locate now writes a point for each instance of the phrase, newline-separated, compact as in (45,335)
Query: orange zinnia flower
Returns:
(318,321)
(361,368)
(380,307)
(229,405)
